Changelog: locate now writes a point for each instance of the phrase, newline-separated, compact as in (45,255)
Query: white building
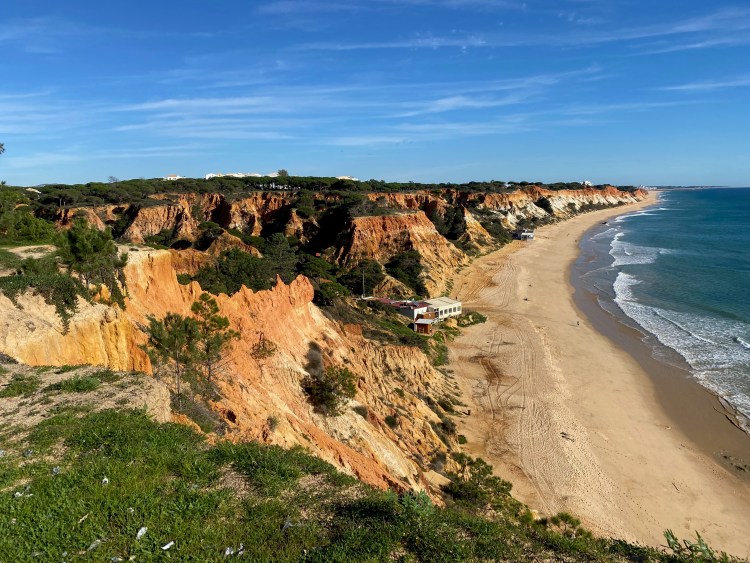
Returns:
(586,184)
(352,178)
(232,175)
(444,307)
(173,177)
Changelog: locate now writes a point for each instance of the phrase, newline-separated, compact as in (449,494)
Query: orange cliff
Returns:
(524,204)
(391,379)
(382,237)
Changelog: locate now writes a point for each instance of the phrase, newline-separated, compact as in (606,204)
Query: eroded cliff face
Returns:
(382,237)
(256,389)
(539,203)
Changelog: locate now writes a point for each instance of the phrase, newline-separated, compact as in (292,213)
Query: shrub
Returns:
(272,422)
(328,292)
(20,385)
(391,421)
(77,384)
(233,270)
(470,318)
(329,390)
(407,268)
(263,349)
(475,485)
(362,411)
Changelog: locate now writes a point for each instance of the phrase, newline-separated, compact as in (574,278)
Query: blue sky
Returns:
(623,91)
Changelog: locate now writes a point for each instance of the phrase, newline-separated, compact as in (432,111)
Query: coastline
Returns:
(576,417)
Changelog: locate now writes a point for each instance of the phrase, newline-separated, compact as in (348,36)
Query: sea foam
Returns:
(626,253)
(714,348)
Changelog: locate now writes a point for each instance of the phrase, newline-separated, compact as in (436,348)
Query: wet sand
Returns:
(568,405)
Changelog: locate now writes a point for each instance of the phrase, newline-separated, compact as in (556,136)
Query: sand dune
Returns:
(571,419)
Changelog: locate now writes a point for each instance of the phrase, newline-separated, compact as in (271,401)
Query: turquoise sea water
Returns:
(679,271)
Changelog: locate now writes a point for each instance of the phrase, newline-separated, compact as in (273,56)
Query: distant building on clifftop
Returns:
(232,175)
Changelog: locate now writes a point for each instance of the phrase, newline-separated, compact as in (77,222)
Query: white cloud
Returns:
(739,82)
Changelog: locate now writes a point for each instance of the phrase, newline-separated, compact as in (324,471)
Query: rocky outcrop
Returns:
(155,219)
(382,237)
(33,333)
(99,216)
(475,234)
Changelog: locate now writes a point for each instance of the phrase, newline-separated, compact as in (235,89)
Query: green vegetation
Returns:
(470,318)
(171,345)
(213,335)
(17,222)
(141,191)
(43,277)
(20,386)
(94,480)
(112,485)
(693,551)
(451,224)
(328,390)
(77,384)
(364,278)
(191,349)
(92,254)
(328,292)
(234,269)
(407,268)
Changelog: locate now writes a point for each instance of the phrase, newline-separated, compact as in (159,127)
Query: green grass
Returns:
(20,386)
(8,260)
(107,376)
(281,505)
(76,384)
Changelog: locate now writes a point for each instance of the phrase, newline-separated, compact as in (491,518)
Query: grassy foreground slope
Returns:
(83,479)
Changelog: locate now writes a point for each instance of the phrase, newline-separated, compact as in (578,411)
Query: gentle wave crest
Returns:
(626,253)
(709,345)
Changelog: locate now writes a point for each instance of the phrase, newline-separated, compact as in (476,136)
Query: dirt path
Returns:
(566,438)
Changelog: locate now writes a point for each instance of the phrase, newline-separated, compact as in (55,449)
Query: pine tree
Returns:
(214,335)
(92,254)
(173,341)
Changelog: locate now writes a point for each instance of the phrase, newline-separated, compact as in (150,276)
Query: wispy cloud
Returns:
(722,27)
(454,103)
(711,85)
(305,7)
(80,153)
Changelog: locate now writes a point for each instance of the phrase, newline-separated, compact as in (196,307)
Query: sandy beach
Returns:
(564,411)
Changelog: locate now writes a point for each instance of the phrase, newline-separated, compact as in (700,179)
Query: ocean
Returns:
(679,272)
